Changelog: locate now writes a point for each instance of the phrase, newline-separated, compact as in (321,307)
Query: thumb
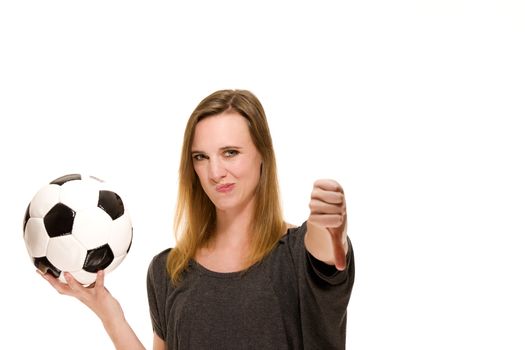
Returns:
(339,252)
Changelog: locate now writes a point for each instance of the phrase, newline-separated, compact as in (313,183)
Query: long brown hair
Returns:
(195,215)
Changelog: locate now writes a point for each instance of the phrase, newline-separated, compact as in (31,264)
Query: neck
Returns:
(233,228)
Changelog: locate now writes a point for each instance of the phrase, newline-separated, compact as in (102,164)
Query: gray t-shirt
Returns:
(289,300)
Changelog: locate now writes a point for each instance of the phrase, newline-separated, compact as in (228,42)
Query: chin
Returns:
(222,204)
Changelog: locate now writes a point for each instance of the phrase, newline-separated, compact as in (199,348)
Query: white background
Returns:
(415,107)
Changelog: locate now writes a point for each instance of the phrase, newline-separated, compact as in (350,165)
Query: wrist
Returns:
(113,320)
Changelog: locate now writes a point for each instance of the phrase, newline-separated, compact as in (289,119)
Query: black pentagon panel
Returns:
(111,203)
(26,218)
(98,258)
(45,266)
(59,220)
(63,179)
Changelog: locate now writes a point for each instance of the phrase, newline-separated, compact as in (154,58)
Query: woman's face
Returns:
(226,160)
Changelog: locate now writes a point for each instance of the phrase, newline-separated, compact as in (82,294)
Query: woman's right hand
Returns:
(96,296)
(105,306)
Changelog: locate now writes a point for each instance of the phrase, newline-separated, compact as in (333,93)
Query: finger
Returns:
(327,220)
(329,185)
(339,253)
(319,207)
(55,283)
(73,283)
(99,282)
(332,197)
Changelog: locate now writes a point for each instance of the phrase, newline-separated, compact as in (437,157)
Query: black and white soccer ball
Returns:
(77,224)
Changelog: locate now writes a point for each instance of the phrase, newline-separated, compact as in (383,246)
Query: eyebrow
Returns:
(222,149)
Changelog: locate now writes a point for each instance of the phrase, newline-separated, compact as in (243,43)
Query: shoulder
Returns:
(162,256)
(289,226)
(158,262)
(294,235)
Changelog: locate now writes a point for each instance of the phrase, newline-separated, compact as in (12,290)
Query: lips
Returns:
(224,188)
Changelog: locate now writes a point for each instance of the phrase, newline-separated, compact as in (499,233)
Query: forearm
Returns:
(122,335)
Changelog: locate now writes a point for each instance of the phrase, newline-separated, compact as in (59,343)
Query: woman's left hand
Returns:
(328,211)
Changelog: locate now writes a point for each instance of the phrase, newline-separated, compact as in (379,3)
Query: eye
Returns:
(231,153)
(198,157)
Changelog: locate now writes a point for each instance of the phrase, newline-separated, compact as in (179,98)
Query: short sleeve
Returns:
(157,289)
(324,294)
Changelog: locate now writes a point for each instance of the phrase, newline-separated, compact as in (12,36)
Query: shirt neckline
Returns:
(234,274)
(203,270)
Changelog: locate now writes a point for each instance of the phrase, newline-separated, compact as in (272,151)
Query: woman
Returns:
(239,276)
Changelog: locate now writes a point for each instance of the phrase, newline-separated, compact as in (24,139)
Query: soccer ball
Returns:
(77,224)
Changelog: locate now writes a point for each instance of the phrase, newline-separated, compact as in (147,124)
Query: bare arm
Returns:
(326,227)
(158,344)
(106,307)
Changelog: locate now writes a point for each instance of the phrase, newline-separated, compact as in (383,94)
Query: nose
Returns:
(216,170)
